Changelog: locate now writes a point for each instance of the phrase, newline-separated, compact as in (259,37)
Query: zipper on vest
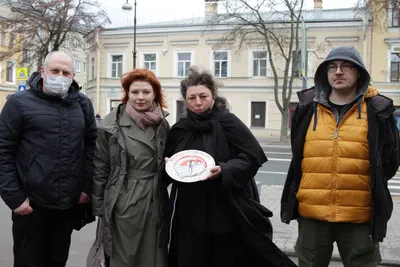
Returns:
(336,134)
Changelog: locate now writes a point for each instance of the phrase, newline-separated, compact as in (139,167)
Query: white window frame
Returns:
(84,67)
(212,63)
(251,61)
(156,72)
(390,16)
(14,71)
(109,66)
(249,113)
(77,66)
(391,49)
(109,101)
(176,61)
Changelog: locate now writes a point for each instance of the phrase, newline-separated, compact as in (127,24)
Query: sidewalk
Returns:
(285,235)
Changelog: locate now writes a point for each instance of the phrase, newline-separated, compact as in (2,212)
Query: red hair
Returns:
(144,75)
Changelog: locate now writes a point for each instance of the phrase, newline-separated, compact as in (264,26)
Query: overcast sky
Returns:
(164,10)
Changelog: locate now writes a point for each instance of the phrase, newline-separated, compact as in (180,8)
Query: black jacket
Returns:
(46,147)
(383,139)
(236,150)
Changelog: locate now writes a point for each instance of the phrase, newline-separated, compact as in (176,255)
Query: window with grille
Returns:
(150,61)
(395,67)
(221,64)
(259,63)
(116,66)
(184,62)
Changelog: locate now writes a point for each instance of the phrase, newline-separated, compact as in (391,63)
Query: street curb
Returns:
(336,257)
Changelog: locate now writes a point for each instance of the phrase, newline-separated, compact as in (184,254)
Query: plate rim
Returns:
(174,158)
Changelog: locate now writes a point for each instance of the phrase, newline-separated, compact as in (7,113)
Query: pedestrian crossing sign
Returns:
(22,74)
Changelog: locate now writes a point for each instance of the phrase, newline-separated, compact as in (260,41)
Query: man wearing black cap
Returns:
(345,149)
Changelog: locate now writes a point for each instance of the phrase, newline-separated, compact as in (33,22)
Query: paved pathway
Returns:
(285,235)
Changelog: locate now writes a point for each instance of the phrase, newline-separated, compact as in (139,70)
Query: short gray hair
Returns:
(59,52)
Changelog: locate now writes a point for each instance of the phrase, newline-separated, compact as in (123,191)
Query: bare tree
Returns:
(276,24)
(379,10)
(41,26)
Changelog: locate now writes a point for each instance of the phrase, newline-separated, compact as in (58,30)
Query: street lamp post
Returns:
(128,7)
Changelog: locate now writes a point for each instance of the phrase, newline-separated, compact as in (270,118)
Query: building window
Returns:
(3,38)
(150,62)
(12,37)
(114,104)
(76,43)
(180,109)
(116,66)
(221,64)
(92,68)
(395,17)
(10,71)
(395,67)
(184,62)
(77,65)
(259,63)
(84,67)
(258,114)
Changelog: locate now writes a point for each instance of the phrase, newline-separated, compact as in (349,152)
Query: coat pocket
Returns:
(43,180)
(23,164)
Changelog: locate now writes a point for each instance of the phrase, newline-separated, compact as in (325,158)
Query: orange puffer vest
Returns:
(335,184)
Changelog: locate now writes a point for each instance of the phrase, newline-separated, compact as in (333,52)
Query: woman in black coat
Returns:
(218,221)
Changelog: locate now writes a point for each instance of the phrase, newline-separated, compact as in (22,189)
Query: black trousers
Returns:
(42,238)
(191,249)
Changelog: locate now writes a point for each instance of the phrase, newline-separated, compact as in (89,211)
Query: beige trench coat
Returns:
(111,176)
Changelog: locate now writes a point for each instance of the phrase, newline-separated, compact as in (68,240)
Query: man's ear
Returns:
(42,71)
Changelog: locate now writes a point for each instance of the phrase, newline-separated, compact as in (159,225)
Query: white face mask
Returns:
(57,85)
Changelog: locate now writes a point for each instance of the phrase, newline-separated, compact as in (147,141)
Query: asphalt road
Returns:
(274,171)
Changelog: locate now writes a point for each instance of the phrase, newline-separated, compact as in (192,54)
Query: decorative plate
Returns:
(189,166)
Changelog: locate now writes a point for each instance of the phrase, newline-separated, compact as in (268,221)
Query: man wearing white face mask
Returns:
(47,140)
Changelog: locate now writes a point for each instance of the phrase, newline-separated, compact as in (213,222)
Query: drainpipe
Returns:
(365,33)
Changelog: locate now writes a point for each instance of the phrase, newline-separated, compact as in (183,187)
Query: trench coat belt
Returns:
(141,174)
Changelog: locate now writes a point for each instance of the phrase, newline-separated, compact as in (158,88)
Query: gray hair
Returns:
(60,52)
(199,77)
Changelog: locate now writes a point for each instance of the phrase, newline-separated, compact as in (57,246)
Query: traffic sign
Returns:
(22,74)
(21,87)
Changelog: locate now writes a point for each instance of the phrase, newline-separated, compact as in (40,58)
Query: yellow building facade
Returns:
(8,67)
(246,79)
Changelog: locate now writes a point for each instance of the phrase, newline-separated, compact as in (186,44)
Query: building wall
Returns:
(240,87)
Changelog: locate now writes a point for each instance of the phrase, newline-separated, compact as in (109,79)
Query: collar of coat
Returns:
(110,122)
(380,102)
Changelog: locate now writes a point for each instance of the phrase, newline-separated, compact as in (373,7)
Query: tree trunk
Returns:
(284,126)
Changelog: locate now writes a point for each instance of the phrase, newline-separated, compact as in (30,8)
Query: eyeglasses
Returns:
(343,68)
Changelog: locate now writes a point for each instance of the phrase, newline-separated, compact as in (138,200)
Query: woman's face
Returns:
(141,95)
(198,98)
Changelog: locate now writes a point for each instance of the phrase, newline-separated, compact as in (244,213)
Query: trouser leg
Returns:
(356,247)
(60,238)
(314,244)
(30,234)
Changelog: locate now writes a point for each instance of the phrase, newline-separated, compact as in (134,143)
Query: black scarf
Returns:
(222,131)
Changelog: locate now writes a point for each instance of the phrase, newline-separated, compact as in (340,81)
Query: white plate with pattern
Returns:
(189,166)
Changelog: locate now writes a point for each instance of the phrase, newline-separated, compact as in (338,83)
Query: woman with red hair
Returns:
(127,193)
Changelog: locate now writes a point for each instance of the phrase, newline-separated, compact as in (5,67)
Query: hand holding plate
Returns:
(215,172)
